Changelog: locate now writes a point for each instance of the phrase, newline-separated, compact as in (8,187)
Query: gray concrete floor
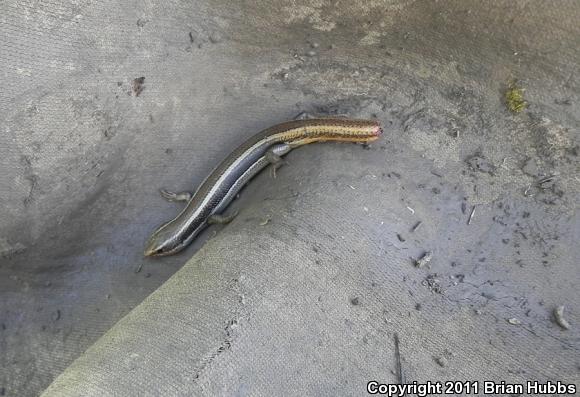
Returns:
(83,156)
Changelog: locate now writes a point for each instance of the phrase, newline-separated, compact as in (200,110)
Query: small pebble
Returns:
(137,86)
(442,361)
(424,259)
(514,321)
(355,301)
(215,37)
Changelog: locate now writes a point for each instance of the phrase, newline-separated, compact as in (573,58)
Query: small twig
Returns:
(549,178)
(503,163)
(416,226)
(471,215)
(559,317)
(400,377)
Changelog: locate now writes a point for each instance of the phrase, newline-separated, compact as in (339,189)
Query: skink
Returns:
(222,185)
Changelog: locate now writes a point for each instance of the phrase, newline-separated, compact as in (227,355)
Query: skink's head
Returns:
(174,236)
(164,241)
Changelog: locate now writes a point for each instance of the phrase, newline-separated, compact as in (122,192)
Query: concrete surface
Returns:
(329,280)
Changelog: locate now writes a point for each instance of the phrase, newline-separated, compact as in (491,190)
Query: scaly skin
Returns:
(264,148)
